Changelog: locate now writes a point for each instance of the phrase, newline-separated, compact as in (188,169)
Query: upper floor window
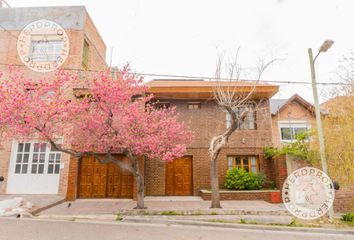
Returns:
(194,105)
(249,163)
(162,104)
(246,117)
(45,48)
(289,130)
(85,55)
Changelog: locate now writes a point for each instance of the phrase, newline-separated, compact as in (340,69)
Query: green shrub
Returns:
(269,184)
(240,179)
(348,217)
(270,152)
(299,148)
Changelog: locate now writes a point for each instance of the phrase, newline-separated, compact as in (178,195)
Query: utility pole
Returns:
(325,46)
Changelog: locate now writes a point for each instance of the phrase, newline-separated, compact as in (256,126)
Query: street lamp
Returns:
(324,47)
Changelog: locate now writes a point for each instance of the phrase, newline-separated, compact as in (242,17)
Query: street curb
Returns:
(147,212)
(100,217)
(238,226)
(40,209)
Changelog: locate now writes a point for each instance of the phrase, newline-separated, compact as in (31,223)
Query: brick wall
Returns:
(206,123)
(72,180)
(154,178)
(280,171)
(5,154)
(155,171)
(344,200)
(272,196)
(210,120)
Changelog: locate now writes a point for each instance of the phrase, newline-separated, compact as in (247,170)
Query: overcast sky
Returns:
(184,37)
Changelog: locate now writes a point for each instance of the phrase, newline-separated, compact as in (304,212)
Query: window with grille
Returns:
(45,48)
(54,163)
(22,158)
(249,163)
(39,152)
(37,158)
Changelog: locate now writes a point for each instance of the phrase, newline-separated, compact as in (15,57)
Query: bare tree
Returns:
(345,74)
(235,97)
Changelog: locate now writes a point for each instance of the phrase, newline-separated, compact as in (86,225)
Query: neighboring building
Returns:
(31,167)
(290,117)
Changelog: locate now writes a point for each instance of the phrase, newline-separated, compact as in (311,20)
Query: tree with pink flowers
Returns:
(97,116)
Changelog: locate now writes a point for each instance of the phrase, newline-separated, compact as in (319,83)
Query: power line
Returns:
(226,79)
(194,77)
(184,76)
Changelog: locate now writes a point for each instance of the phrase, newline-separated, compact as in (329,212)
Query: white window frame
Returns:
(292,124)
(56,49)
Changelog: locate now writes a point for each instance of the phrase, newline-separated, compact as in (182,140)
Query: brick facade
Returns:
(79,26)
(207,122)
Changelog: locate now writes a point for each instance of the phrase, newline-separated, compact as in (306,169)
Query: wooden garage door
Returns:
(179,181)
(98,180)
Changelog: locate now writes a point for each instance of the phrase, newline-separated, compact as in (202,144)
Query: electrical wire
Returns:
(183,76)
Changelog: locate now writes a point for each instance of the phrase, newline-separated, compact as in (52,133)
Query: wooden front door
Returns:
(98,180)
(179,181)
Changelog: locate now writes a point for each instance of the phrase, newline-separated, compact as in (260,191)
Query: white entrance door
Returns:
(34,168)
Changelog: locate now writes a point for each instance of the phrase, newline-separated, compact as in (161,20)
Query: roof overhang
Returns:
(200,90)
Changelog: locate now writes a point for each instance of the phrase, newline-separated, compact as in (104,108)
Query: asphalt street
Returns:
(29,229)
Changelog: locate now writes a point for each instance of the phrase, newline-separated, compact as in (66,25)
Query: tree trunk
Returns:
(139,178)
(215,195)
(140,190)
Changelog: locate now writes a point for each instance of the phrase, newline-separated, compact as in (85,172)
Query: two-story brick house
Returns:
(194,102)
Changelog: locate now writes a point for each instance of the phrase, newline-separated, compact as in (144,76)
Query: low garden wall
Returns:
(271,196)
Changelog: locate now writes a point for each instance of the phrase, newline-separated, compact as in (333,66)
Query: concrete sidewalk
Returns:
(40,202)
(165,206)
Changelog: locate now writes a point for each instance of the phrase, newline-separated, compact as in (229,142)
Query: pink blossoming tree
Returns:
(106,115)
